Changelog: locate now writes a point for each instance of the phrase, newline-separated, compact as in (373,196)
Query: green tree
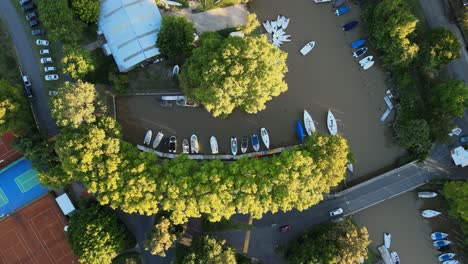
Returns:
(96,235)
(456,193)
(341,243)
(75,104)
(77,62)
(439,47)
(223,74)
(450,98)
(414,135)
(390,25)
(36,149)
(162,238)
(119,83)
(251,24)
(87,10)
(175,37)
(15,113)
(209,250)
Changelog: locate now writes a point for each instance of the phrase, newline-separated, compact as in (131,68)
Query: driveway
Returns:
(29,65)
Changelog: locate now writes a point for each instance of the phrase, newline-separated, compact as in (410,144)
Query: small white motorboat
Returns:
(277,42)
(267,26)
(395,257)
(185,146)
(234,145)
(274,26)
(430,213)
(366,60)
(285,38)
(307,47)
(387,237)
(148,136)
(171,3)
(157,139)
(331,123)
(438,235)
(359,52)
(446,256)
(244,144)
(368,65)
(309,123)
(279,33)
(427,194)
(285,22)
(194,143)
(350,167)
(452,261)
(265,137)
(214,145)
(175,70)
(255,142)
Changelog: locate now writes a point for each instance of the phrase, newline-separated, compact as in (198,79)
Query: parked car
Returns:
(38,32)
(23,2)
(27,86)
(42,42)
(51,77)
(44,51)
(29,7)
(53,93)
(285,228)
(31,15)
(336,212)
(26,80)
(46,60)
(50,69)
(33,23)
(464,139)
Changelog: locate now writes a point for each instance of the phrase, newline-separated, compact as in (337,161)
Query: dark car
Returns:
(464,139)
(27,86)
(29,7)
(37,32)
(33,23)
(31,15)
(285,228)
(23,2)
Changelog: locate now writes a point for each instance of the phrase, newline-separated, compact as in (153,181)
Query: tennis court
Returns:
(7,154)
(19,186)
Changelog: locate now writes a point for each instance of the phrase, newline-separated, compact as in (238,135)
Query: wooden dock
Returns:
(212,156)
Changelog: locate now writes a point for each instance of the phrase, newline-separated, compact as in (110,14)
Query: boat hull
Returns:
(194,144)
(214,145)
(361,51)
(157,139)
(430,213)
(185,146)
(427,194)
(309,123)
(349,26)
(255,142)
(441,243)
(342,10)
(331,123)
(265,137)
(148,136)
(438,235)
(244,144)
(358,43)
(234,146)
(300,131)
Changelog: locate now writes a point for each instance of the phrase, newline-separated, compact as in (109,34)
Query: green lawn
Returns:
(8,66)
(153,78)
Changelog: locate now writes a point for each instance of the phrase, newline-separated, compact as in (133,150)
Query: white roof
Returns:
(460,156)
(131,28)
(65,204)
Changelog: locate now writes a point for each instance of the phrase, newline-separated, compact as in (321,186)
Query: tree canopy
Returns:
(340,243)
(161,238)
(450,98)
(87,10)
(176,36)
(209,250)
(440,46)
(223,74)
(96,235)
(77,62)
(414,134)
(456,193)
(15,113)
(251,24)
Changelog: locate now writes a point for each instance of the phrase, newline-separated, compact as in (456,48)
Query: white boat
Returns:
(438,235)
(172,3)
(244,144)
(368,65)
(395,257)
(278,33)
(452,261)
(309,123)
(307,47)
(175,70)
(279,20)
(331,123)
(276,45)
(430,213)
(185,146)
(427,194)
(350,167)
(214,145)
(274,26)
(387,239)
(285,38)
(148,136)
(366,60)
(446,256)
(194,143)
(285,23)
(265,137)
(234,145)
(277,42)
(157,139)
(441,243)
(267,26)
(359,52)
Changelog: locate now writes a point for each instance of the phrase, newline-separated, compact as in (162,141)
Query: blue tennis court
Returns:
(18,186)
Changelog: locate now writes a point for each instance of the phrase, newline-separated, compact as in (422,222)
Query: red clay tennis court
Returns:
(7,153)
(35,234)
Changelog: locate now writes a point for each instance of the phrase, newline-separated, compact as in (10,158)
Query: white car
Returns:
(46,60)
(42,42)
(53,93)
(44,51)
(51,77)
(336,212)
(50,69)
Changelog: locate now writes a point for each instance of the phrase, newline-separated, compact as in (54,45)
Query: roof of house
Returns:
(460,156)
(131,28)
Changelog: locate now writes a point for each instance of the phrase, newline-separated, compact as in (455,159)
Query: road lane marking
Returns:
(247,238)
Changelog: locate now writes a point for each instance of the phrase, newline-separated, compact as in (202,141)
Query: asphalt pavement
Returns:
(29,66)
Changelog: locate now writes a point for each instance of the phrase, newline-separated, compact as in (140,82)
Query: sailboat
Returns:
(427,194)
(438,235)
(175,70)
(441,243)
(350,167)
(157,139)
(309,123)
(430,213)
(265,137)
(331,123)
(267,26)
(148,136)
(214,145)
(194,143)
(387,239)
(446,256)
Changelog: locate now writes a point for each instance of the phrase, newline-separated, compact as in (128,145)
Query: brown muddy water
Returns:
(327,78)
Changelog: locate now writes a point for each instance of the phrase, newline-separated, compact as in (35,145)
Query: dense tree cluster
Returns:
(175,37)
(162,238)
(456,193)
(15,113)
(77,62)
(440,46)
(87,10)
(209,250)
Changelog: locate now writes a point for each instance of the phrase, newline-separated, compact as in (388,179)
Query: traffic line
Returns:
(247,238)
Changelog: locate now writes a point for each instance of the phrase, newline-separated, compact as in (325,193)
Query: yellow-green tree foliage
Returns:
(456,193)
(223,74)
(77,62)
(161,238)
(251,24)
(15,113)
(75,104)
(209,250)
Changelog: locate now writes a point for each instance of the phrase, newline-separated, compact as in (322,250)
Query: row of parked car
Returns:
(29,8)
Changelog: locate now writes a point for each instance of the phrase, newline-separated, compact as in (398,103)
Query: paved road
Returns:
(29,65)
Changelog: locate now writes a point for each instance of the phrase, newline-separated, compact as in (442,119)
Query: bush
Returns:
(87,10)
(175,37)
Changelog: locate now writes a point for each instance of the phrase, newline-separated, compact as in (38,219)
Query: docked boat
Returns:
(267,26)
(430,213)
(368,65)
(350,167)
(387,239)
(321,1)
(395,257)
(365,60)
(349,26)
(265,137)
(194,143)
(285,38)
(342,10)
(358,43)
(244,144)
(185,146)
(274,26)
(148,136)
(172,144)
(331,123)
(452,261)
(438,235)
(427,194)
(309,123)
(234,145)
(214,145)
(446,256)
(285,23)
(360,52)
(300,131)
(441,243)
(338,3)
(157,139)
(255,142)
(307,47)
(175,70)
